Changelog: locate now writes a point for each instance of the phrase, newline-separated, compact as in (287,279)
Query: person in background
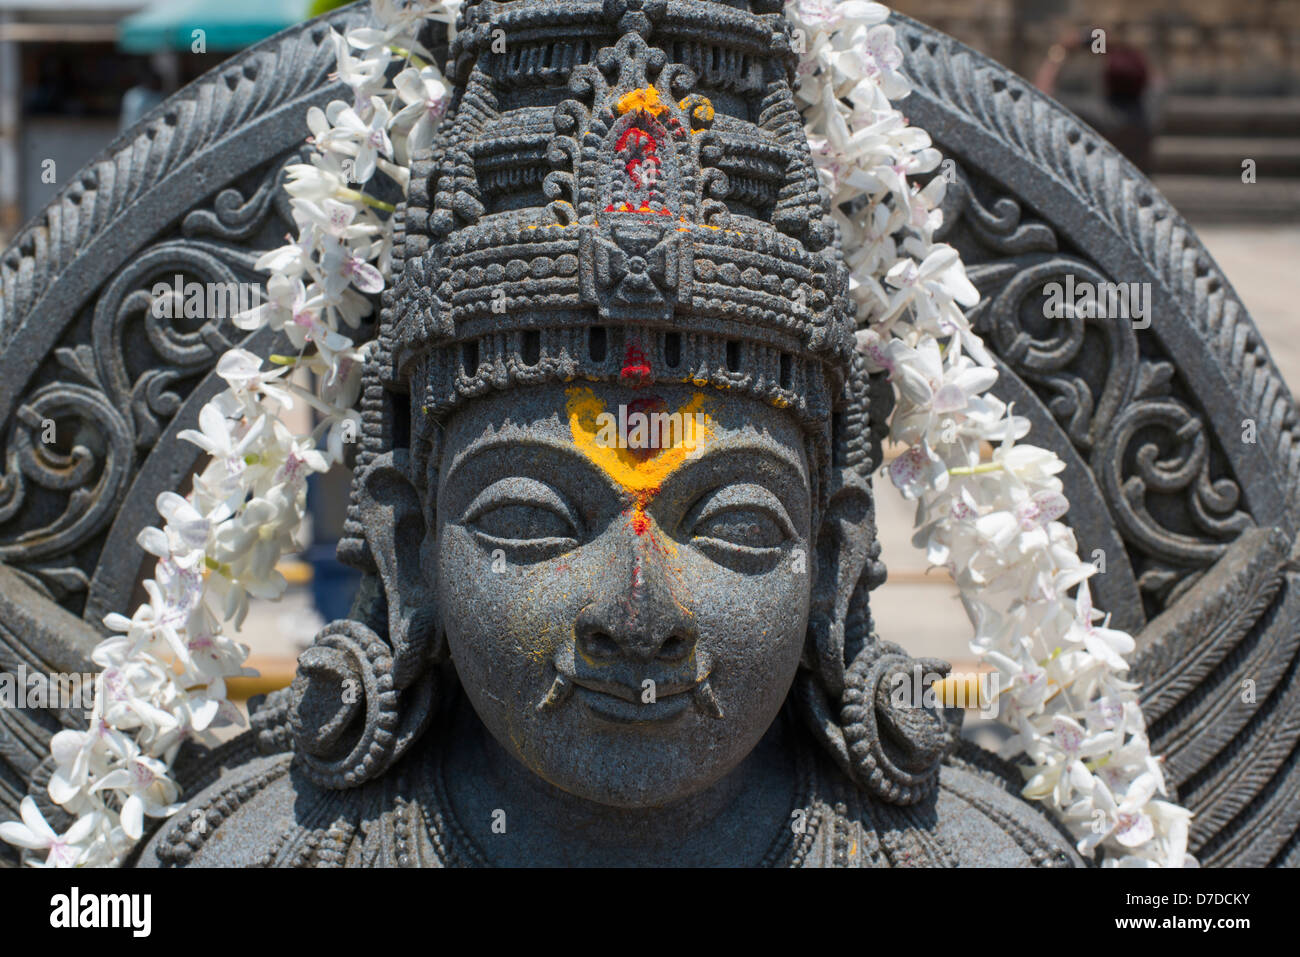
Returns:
(1122,113)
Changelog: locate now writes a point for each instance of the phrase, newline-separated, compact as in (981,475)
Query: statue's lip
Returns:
(622,710)
(633,695)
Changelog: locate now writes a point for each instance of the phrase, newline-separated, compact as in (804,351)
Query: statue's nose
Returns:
(636,617)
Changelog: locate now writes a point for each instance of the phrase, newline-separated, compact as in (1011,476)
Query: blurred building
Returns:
(1205,47)
(68,84)
(1221,85)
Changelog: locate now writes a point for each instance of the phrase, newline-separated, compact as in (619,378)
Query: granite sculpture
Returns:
(580,645)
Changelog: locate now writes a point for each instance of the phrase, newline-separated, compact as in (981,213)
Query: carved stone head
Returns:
(617,443)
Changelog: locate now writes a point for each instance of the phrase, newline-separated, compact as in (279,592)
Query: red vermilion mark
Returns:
(638,150)
(640,520)
(636,369)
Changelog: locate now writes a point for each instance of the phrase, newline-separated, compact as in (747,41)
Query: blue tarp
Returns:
(227,24)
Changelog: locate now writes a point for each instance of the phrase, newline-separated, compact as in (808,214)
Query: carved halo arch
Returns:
(1197,526)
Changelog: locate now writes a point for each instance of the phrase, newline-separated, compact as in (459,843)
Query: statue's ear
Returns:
(393,517)
(846,546)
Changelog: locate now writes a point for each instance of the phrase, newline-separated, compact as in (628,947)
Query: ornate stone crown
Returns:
(623,192)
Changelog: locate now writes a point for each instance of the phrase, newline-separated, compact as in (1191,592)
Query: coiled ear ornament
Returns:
(896,744)
(348,723)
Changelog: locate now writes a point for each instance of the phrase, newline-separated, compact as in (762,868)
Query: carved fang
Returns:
(561,688)
(706,701)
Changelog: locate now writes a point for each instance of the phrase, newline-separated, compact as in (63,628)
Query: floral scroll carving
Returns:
(1115,397)
(119,375)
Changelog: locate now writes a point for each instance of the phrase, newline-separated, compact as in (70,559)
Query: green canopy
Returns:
(227,24)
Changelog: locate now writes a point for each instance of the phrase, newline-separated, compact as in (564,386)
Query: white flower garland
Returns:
(992,523)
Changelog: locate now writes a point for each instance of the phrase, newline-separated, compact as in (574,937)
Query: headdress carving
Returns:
(624,193)
(604,205)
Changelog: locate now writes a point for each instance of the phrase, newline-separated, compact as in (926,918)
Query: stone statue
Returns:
(613,504)
(584,643)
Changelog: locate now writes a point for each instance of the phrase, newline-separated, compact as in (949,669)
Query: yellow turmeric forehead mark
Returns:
(596,433)
(646,98)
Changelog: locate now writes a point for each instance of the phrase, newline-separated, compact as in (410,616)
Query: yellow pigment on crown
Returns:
(701,108)
(646,98)
(637,476)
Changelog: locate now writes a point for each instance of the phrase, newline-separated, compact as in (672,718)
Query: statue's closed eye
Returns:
(525,516)
(740,524)
(522,522)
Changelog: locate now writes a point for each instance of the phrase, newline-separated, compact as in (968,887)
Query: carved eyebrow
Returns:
(485,445)
(738,445)
(518,490)
(718,449)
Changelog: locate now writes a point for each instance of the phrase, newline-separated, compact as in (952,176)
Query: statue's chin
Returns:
(636,791)
(585,751)
(632,795)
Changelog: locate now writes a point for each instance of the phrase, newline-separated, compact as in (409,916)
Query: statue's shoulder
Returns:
(235,821)
(989,825)
(265,812)
(973,819)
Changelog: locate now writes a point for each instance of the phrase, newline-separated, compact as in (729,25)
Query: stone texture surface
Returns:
(1194,551)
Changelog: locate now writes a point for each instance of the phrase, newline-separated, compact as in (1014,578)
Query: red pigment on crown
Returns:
(636,369)
(639,147)
(645,207)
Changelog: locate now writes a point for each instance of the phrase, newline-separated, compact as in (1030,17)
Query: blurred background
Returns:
(1186,88)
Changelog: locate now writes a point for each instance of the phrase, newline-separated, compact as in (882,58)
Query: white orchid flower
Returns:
(223,439)
(343,265)
(426,97)
(1108,644)
(250,383)
(159,619)
(127,689)
(81,755)
(364,74)
(148,789)
(34,834)
(368,139)
(333,217)
(829,14)
(407,15)
(917,470)
(311,182)
(298,457)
